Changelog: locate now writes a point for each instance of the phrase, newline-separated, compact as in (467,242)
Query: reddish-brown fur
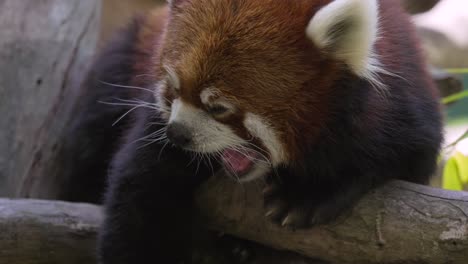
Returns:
(346,137)
(257,54)
(259,58)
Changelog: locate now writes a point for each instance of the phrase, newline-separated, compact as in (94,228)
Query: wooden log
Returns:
(45,50)
(397,223)
(49,232)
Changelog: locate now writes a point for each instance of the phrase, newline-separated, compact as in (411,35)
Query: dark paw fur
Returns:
(235,250)
(241,254)
(296,210)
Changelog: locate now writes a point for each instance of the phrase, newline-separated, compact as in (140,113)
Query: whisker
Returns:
(147,105)
(162,149)
(127,86)
(126,113)
(154,134)
(145,75)
(249,156)
(194,156)
(198,164)
(157,123)
(138,102)
(211,165)
(117,104)
(241,148)
(134,100)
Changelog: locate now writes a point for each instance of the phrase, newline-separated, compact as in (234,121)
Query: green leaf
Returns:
(455,172)
(455,97)
(457,70)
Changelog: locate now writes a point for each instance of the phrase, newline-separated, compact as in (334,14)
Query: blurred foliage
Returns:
(455,97)
(455,175)
(457,113)
(455,172)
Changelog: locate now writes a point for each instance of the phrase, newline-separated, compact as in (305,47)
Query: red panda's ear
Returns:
(348,30)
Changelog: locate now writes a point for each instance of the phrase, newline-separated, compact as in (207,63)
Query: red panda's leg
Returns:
(148,205)
(294,203)
(339,203)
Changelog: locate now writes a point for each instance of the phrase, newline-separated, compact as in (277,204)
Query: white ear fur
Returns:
(348,30)
(170,2)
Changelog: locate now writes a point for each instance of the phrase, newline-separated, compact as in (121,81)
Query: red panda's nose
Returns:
(179,134)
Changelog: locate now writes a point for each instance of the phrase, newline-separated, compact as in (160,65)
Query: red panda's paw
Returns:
(236,250)
(326,213)
(285,210)
(295,210)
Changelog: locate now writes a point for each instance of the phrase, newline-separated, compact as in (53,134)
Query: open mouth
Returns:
(240,163)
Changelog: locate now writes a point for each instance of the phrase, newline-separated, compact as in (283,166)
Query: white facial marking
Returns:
(171,80)
(209,97)
(259,128)
(163,106)
(175,110)
(208,134)
(211,136)
(172,77)
(207,94)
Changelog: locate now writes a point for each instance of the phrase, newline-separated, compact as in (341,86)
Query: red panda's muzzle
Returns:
(239,162)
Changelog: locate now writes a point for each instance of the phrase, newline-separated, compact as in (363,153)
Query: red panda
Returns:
(324,99)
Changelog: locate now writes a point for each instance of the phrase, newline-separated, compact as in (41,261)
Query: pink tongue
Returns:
(237,161)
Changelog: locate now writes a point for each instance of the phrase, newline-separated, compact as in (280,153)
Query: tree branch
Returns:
(37,231)
(397,223)
(45,48)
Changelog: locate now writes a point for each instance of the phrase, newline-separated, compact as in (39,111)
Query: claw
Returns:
(271,212)
(286,221)
(276,209)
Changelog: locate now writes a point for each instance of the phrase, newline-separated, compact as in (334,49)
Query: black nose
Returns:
(178,134)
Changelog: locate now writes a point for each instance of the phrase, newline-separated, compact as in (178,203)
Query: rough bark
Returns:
(397,223)
(45,48)
(47,232)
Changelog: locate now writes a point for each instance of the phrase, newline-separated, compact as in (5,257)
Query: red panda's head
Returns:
(250,80)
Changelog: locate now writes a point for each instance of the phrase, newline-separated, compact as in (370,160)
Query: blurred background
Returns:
(47,46)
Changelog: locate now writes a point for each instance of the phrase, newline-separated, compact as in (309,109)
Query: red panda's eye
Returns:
(217,110)
(174,90)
